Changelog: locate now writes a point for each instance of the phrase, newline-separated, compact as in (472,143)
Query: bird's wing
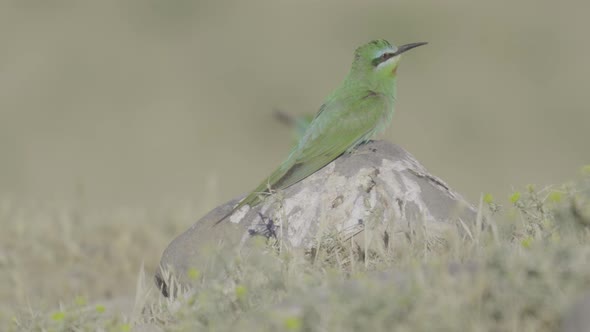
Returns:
(338,127)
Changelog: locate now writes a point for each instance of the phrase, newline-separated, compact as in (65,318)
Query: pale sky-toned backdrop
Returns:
(139,102)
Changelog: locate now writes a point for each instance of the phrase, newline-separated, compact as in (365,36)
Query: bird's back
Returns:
(342,123)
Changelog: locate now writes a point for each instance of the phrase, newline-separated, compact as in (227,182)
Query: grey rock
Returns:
(379,186)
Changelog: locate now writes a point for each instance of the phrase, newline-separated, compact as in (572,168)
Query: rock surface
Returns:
(379,186)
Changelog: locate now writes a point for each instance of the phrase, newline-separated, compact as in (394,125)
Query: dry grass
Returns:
(59,255)
(70,269)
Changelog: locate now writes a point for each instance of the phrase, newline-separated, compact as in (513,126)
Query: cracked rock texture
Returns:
(379,187)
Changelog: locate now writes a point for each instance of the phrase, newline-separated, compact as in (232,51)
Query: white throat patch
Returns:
(387,62)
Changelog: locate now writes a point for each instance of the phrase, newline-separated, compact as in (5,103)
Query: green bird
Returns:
(360,108)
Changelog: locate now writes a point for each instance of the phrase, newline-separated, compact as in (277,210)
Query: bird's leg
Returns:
(365,142)
(355,148)
(269,187)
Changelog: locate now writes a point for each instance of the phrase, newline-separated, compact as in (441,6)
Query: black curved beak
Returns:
(408,47)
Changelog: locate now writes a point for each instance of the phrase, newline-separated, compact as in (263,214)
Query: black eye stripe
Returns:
(384,57)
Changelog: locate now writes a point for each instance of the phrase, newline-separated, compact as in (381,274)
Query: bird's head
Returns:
(378,60)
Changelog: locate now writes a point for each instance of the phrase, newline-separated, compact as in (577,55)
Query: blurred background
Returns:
(131,103)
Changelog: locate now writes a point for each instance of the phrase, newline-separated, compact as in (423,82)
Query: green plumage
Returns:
(360,108)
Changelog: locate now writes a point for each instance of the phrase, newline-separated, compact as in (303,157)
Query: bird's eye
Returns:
(382,58)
